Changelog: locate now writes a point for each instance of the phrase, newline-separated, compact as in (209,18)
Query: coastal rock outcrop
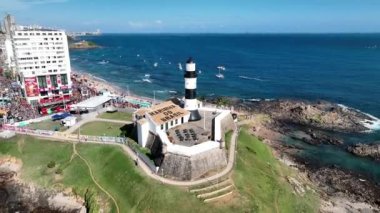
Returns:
(336,182)
(366,150)
(321,115)
(16,196)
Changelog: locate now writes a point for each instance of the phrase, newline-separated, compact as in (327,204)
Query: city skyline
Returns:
(168,16)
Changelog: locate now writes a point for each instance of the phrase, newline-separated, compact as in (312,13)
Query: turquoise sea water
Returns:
(340,68)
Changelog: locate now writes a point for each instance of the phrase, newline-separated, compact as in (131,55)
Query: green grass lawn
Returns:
(112,169)
(100,128)
(261,181)
(124,116)
(48,125)
(257,176)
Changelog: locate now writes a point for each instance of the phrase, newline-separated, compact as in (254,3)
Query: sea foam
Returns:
(372,125)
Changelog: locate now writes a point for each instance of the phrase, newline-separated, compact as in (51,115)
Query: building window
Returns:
(171,123)
(53,79)
(65,91)
(176,121)
(45,93)
(42,82)
(64,79)
(162,127)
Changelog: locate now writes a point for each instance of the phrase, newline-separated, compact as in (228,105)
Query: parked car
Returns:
(60,116)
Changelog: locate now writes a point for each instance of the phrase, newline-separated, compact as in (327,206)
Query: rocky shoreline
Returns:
(311,123)
(18,196)
(366,150)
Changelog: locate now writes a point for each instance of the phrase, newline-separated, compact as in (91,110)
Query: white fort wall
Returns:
(143,133)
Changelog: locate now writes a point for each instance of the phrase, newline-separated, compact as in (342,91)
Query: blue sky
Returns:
(199,16)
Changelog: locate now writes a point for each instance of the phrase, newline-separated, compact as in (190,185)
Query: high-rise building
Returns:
(41,60)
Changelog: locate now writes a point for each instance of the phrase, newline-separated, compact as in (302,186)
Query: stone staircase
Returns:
(214,191)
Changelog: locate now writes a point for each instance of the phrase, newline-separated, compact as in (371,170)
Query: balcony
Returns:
(54,100)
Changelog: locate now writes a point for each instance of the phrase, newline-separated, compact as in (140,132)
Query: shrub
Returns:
(51,164)
(59,171)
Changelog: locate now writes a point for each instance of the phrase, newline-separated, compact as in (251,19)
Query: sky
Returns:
(199,16)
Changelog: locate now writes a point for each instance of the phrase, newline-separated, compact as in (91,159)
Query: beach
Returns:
(100,85)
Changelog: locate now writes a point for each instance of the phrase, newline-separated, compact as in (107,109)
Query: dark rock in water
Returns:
(334,182)
(366,150)
(321,115)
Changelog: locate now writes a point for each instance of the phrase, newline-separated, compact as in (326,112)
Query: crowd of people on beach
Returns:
(12,104)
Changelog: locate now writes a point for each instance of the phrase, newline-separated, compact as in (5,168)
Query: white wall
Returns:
(143,133)
(218,126)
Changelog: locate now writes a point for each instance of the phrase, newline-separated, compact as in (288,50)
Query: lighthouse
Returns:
(191,102)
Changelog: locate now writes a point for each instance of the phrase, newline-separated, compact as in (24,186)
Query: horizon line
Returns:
(239,33)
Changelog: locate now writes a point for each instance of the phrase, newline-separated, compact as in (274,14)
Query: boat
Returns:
(221,68)
(155,64)
(220,75)
(103,62)
(146,80)
(200,71)
(180,66)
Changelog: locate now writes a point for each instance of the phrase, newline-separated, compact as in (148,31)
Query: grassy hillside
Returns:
(258,178)
(261,180)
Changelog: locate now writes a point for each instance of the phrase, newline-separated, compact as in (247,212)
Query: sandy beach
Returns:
(99,84)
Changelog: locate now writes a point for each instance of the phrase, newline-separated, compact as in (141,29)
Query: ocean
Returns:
(342,68)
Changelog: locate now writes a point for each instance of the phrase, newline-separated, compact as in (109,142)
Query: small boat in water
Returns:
(147,75)
(146,80)
(180,66)
(220,75)
(155,64)
(221,68)
(103,62)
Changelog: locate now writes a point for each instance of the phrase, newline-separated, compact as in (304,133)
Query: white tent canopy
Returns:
(92,102)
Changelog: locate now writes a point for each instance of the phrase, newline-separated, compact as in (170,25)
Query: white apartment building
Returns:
(41,60)
(43,64)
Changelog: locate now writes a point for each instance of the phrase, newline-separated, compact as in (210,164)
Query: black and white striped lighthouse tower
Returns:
(191,102)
